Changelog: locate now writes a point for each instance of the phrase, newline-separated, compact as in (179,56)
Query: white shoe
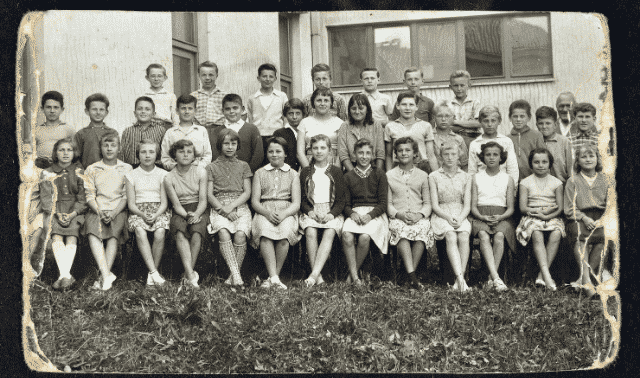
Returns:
(155,279)
(194,282)
(96,285)
(499,285)
(489,284)
(275,280)
(540,280)
(229,281)
(455,286)
(266,283)
(108,282)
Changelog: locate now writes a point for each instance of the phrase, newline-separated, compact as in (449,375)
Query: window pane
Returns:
(392,52)
(348,55)
(182,75)
(437,45)
(182,26)
(530,45)
(285,58)
(483,47)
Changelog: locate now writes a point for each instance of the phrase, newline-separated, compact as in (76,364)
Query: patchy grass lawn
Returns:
(334,328)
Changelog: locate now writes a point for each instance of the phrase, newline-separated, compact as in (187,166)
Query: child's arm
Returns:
(426,199)
(202,194)
(343,149)
(524,203)
(435,205)
(257,155)
(381,192)
(167,162)
(175,119)
(131,198)
(302,146)
(471,124)
(250,109)
(90,191)
(175,201)
(389,155)
(570,209)
(213,201)
(391,210)
(256,193)
(474,201)
(293,208)
(79,141)
(304,192)
(80,207)
(467,201)
(464,156)
(207,154)
(46,193)
(339,190)
(122,204)
(558,209)
(512,163)
(381,153)
(568,153)
(431,156)
(164,203)
(510,201)
(472,162)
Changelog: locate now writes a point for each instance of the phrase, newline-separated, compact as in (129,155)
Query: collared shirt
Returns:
(469,110)
(132,135)
(227,175)
(338,109)
(560,149)
(196,134)
(439,140)
(165,105)
(276,183)
(381,105)
(88,141)
(69,187)
(451,188)
(424,112)
(105,184)
(47,136)
(234,126)
(209,107)
(421,131)
(510,166)
(284,167)
(365,173)
(579,138)
(266,118)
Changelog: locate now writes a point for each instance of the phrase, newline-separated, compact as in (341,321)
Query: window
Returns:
(285,56)
(185,52)
(498,48)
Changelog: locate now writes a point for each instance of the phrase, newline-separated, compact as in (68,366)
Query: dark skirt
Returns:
(506,226)
(179,223)
(578,230)
(116,229)
(51,221)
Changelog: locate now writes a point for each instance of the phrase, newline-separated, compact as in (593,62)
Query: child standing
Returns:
(228,190)
(443,134)
(465,109)
(189,131)
(322,202)
(492,207)
(557,144)
(63,217)
(541,203)
(450,189)
(524,138)
(107,199)
(585,201)
(407,124)
(365,207)
(294,113)
(52,130)
(321,76)
(381,104)
(584,131)
(145,128)
(275,197)
(209,97)
(88,138)
(266,105)
(413,79)
(186,187)
(148,207)
(321,122)
(165,101)
(409,208)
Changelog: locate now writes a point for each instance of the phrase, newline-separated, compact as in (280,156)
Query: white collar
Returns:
(285,167)
(259,93)
(374,95)
(152,92)
(295,132)
(228,124)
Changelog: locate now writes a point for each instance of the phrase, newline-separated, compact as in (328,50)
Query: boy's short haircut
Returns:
(449,146)
(320,67)
(209,64)
(186,99)
(147,99)
(268,67)
(76,152)
(179,145)
(158,66)
(321,92)
(320,138)
(109,136)
(503,152)
(407,94)
(460,73)
(231,97)
(546,112)
(540,151)
(487,110)
(53,95)
(520,104)
(587,147)
(438,107)
(412,69)
(226,132)
(584,107)
(147,141)
(294,103)
(370,69)
(406,140)
(278,140)
(362,142)
(99,97)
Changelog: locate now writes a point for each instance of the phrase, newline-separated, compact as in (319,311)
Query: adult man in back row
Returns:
(564,106)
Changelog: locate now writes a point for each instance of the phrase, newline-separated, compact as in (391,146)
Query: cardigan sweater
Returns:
(370,191)
(412,195)
(336,189)
(578,196)
(270,119)
(250,150)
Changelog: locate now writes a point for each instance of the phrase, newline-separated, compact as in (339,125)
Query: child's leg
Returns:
(552,246)
(454,258)
(540,252)
(145,248)
(578,253)
(70,254)
(97,249)
(240,245)
(158,246)
(362,250)
(404,249)
(282,249)
(463,249)
(489,253)
(36,255)
(348,246)
(498,249)
(323,252)
(595,259)
(182,243)
(269,255)
(59,250)
(110,251)
(417,250)
(229,254)
(311,236)
(195,243)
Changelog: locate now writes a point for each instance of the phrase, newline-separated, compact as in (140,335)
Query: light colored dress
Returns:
(311,127)
(451,190)
(541,193)
(147,186)
(402,185)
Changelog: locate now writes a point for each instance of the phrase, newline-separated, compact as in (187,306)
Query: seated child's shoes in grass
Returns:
(108,282)
(499,285)
(154,279)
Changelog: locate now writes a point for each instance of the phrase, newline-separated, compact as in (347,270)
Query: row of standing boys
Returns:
(325,159)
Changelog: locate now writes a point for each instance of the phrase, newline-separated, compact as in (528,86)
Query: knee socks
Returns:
(64,256)
(241,250)
(229,254)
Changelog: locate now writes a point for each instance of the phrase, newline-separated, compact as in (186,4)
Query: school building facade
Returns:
(510,55)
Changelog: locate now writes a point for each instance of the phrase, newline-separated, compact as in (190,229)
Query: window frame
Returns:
(507,77)
(286,79)
(187,50)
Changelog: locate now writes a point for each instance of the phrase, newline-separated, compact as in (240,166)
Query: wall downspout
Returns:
(316,40)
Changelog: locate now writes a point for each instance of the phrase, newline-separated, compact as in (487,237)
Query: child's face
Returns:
(294,116)
(444,118)
(519,118)
(449,157)
(588,160)
(144,111)
(547,126)
(358,112)
(229,147)
(208,76)
(185,156)
(407,107)
(186,112)
(97,111)
(405,153)
(110,149)
(64,153)
(320,151)
(490,124)
(370,80)
(413,80)
(363,156)
(459,86)
(322,80)
(540,164)
(232,111)
(585,120)
(267,78)
(322,104)
(156,77)
(147,154)
(52,110)
(276,155)
(492,157)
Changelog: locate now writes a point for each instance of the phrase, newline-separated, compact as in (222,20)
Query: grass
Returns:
(335,328)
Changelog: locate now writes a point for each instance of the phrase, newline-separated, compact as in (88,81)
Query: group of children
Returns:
(366,171)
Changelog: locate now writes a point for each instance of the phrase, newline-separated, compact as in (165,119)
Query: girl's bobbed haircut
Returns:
(405,140)
(321,92)
(503,152)
(76,152)
(487,110)
(179,145)
(109,136)
(360,99)
(226,132)
(362,142)
(147,141)
(583,149)
(278,140)
(540,151)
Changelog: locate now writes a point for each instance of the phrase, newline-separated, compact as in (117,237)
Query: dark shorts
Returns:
(179,223)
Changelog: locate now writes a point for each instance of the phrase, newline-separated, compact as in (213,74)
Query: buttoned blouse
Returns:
(275,183)
(65,189)
(228,175)
(197,135)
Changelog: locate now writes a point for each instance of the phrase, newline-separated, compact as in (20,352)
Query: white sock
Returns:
(67,260)
(59,250)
